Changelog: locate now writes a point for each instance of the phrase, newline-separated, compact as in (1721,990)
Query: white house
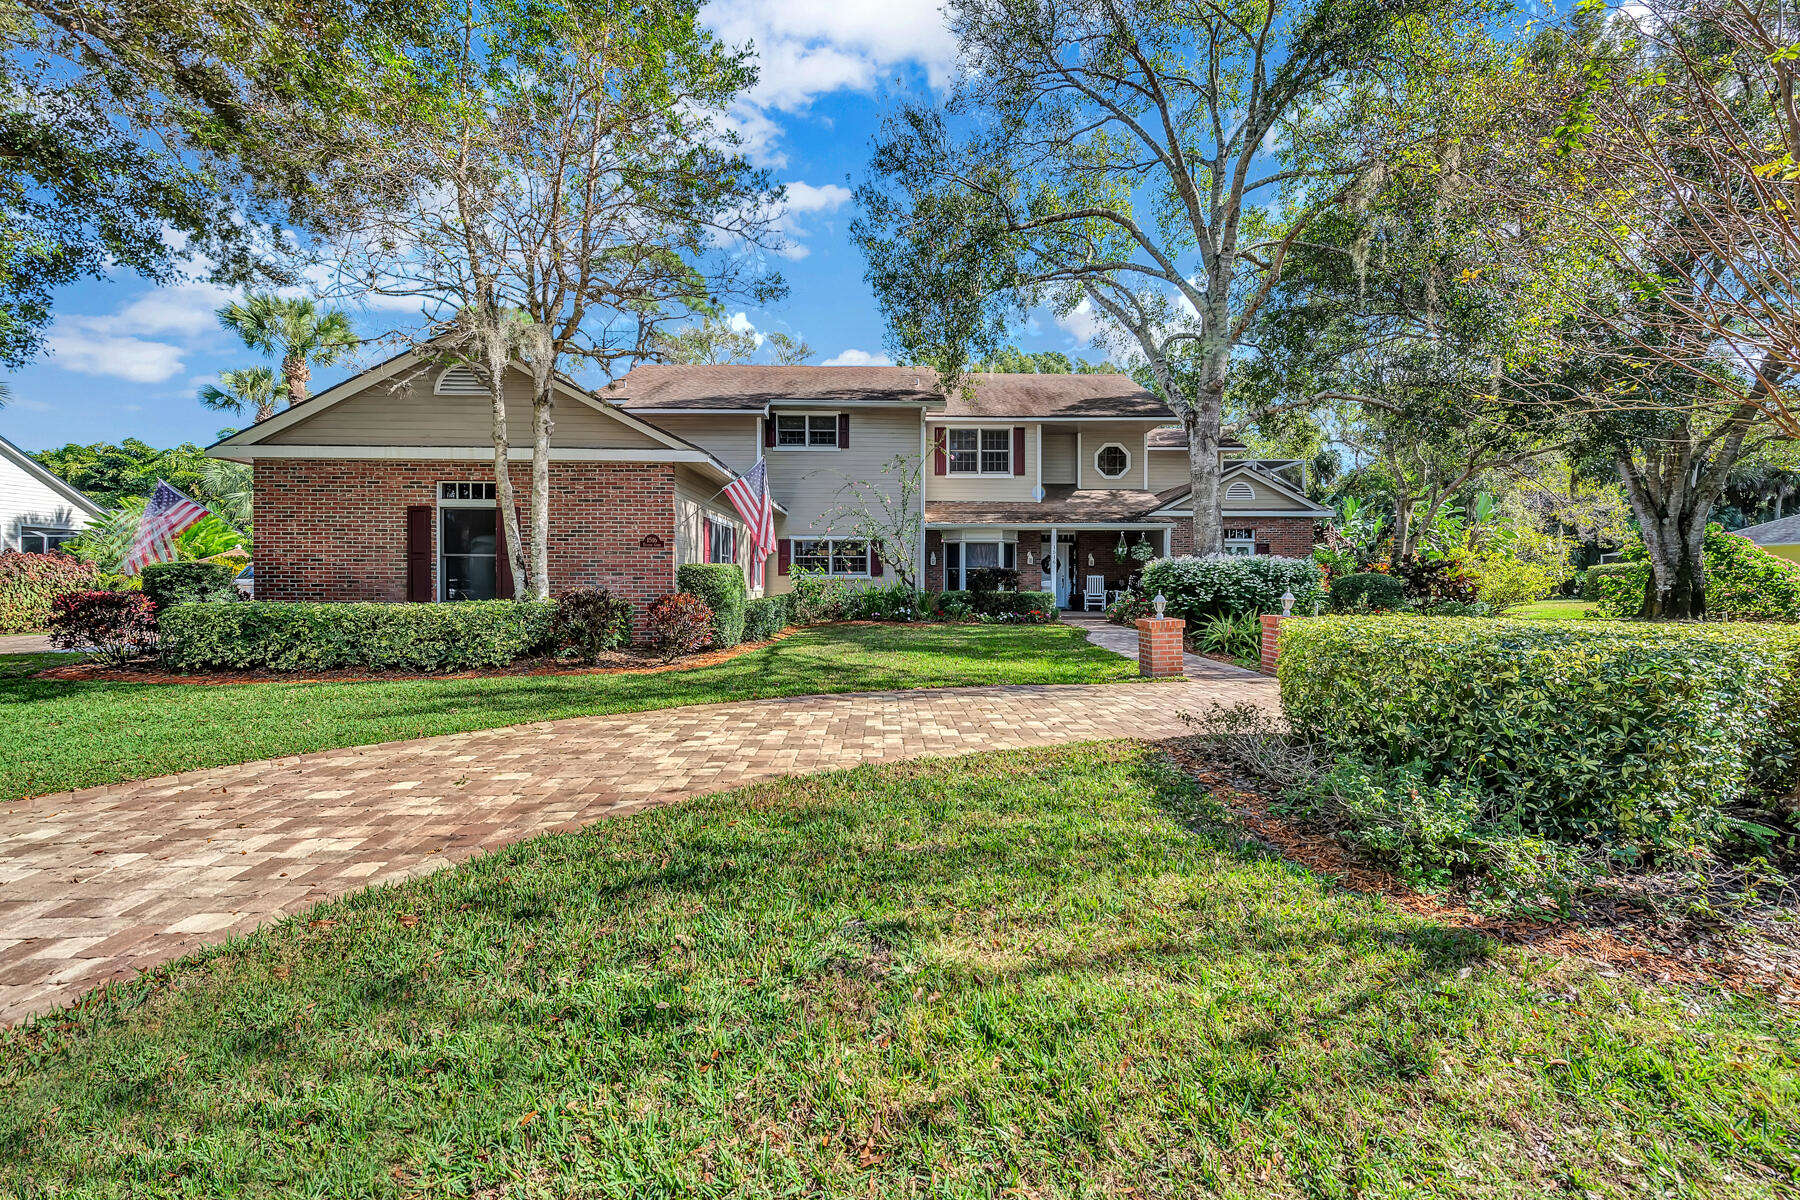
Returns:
(38,511)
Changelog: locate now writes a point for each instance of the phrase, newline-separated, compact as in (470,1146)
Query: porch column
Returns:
(1055,566)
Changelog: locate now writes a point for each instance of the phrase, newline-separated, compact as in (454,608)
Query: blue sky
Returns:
(126,358)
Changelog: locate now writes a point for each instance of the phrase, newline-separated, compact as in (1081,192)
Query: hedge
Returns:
(1630,735)
(172,583)
(1743,581)
(30,582)
(270,636)
(1593,582)
(993,604)
(1367,589)
(719,586)
(1197,587)
(766,616)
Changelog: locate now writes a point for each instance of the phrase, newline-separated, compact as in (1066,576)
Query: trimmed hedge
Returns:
(766,616)
(1626,734)
(1379,591)
(1198,587)
(1593,583)
(995,604)
(266,636)
(719,586)
(172,583)
(29,583)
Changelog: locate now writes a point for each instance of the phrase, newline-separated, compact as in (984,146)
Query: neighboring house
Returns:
(38,511)
(381,488)
(1780,537)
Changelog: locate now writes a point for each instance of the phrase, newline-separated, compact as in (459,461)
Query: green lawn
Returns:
(1555,610)
(65,735)
(1033,974)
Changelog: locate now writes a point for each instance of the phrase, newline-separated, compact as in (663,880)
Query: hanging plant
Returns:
(1142,551)
(1121,552)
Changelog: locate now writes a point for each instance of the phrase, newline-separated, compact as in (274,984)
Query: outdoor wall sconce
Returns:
(1161,603)
(1029,558)
(1090,560)
(934,558)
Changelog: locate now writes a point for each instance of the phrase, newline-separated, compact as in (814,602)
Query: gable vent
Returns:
(460,381)
(1240,491)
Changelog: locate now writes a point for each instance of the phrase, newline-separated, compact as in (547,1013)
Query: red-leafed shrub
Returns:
(592,621)
(29,582)
(116,626)
(680,624)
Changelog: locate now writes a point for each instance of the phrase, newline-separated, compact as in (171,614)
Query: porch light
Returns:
(1090,560)
(1030,558)
(1287,603)
(934,558)
(1161,603)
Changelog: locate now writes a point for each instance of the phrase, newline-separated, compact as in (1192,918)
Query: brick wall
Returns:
(934,570)
(1291,537)
(1032,575)
(330,529)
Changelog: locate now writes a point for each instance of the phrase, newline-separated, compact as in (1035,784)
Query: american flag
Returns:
(166,516)
(749,494)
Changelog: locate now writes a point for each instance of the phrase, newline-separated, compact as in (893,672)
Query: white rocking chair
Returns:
(1093,597)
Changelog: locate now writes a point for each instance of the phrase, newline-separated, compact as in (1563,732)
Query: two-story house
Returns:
(381,488)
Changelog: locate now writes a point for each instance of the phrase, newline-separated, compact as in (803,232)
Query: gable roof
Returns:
(1173,500)
(754,387)
(1783,531)
(37,471)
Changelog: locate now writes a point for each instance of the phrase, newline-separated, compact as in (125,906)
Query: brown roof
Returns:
(1062,504)
(748,385)
(1174,437)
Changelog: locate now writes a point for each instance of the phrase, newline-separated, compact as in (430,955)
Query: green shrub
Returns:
(172,583)
(1003,606)
(993,579)
(1631,735)
(951,606)
(1239,637)
(364,637)
(766,616)
(115,626)
(1367,590)
(1503,581)
(591,621)
(30,582)
(892,602)
(1744,582)
(719,586)
(1593,581)
(680,624)
(817,597)
(1198,587)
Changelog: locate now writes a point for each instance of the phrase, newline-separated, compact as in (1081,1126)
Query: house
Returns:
(381,488)
(38,511)
(1780,537)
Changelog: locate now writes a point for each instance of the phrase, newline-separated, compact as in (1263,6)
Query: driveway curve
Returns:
(98,884)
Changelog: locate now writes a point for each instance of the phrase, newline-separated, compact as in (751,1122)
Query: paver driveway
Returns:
(98,884)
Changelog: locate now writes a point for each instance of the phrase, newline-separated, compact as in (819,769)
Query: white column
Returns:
(1055,566)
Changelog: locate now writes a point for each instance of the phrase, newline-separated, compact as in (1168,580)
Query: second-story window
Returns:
(979,451)
(813,431)
(1112,460)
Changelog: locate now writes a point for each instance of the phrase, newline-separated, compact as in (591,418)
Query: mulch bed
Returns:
(633,661)
(1763,959)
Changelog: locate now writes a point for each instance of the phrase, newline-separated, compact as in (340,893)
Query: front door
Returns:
(1065,571)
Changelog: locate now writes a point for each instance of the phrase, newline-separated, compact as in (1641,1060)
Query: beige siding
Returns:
(1169,468)
(1267,498)
(810,483)
(696,498)
(404,411)
(1097,434)
(1059,457)
(989,487)
(731,439)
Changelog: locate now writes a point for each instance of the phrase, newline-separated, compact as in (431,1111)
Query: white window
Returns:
(721,541)
(806,431)
(832,556)
(960,558)
(466,489)
(468,541)
(1240,541)
(40,540)
(979,451)
(1112,460)
(1240,491)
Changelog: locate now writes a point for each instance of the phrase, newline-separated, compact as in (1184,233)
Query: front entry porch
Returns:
(1088,568)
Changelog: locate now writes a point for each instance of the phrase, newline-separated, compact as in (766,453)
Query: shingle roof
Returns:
(742,385)
(1784,531)
(1062,504)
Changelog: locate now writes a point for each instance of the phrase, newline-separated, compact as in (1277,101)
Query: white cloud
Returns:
(86,345)
(741,323)
(803,197)
(858,358)
(1084,323)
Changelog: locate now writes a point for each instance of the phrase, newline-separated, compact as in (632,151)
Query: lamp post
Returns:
(1287,603)
(1161,603)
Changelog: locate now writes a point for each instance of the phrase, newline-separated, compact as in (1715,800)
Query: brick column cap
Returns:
(1161,623)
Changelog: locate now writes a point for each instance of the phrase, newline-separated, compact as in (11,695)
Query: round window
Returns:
(1112,461)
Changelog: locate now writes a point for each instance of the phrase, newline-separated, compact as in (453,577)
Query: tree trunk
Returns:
(1403,529)
(1203,421)
(1673,534)
(541,426)
(296,375)
(495,355)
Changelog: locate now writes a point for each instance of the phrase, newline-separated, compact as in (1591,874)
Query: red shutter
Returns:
(843,431)
(875,559)
(940,464)
(784,554)
(418,553)
(503,573)
(1018,449)
(769,430)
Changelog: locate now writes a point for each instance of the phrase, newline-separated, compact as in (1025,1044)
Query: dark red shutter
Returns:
(1018,449)
(769,430)
(940,464)
(784,554)
(843,431)
(418,553)
(875,559)
(503,575)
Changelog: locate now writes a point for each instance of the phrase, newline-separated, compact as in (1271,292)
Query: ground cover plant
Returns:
(64,734)
(1050,973)
(29,582)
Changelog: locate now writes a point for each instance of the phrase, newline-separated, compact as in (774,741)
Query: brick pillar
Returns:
(1271,634)
(1159,647)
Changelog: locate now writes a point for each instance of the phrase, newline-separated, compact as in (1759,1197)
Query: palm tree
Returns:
(251,387)
(293,328)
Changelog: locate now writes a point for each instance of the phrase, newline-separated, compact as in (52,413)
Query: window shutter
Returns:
(769,430)
(784,554)
(940,464)
(418,553)
(1018,449)
(843,431)
(503,573)
(875,560)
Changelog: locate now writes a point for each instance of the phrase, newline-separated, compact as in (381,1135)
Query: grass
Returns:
(56,735)
(1044,973)
(1555,610)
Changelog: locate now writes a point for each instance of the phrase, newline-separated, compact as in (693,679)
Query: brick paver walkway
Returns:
(98,884)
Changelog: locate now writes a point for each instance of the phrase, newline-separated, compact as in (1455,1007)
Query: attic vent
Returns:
(1240,491)
(460,381)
